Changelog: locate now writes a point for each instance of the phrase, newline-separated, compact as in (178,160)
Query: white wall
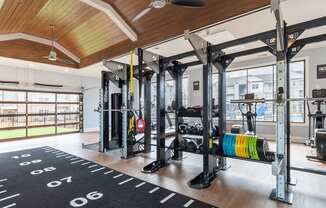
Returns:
(313,57)
(72,83)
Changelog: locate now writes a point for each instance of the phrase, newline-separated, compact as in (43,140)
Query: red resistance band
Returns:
(140,125)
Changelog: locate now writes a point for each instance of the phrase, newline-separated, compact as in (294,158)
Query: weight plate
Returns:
(246,147)
(233,145)
(237,145)
(256,156)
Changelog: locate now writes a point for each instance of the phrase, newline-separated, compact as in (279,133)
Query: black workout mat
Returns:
(49,178)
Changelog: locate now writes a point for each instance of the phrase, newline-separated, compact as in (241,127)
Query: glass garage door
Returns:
(38,113)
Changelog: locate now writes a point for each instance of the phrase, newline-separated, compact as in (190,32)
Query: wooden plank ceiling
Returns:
(90,34)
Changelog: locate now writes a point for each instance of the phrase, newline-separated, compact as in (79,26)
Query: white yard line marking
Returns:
(69,157)
(96,170)
(117,176)
(111,171)
(167,198)
(4,191)
(126,181)
(62,155)
(141,184)
(92,166)
(1,186)
(189,203)
(76,158)
(78,161)
(56,152)
(10,205)
(9,197)
(86,163)
(3,180)
(153,190)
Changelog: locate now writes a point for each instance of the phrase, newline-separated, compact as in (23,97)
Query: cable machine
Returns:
(126,117)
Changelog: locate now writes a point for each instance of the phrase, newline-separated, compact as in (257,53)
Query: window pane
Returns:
(297,91)
(14,133)
(185,96)
(12,96)
(41,97)
(215,88)
(261,83)
(39,131)
(169,92)
(12,121)
(61,119)
(236,88)
(12,109)
(68,128)
(67,97)
(68,108)
(41,108)
(41,120)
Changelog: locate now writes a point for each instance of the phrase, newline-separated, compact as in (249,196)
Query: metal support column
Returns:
(105,117)
(221,65)
(148,110)
(282,191)
(124,91)
(204,179)
(176,72)
(161,160)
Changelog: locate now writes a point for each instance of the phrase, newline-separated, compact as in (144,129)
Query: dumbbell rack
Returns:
(192,137)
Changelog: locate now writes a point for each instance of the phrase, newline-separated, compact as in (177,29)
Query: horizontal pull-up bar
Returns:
(258,37)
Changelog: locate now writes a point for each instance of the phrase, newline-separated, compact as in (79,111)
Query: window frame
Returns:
(28,114)
(304,61)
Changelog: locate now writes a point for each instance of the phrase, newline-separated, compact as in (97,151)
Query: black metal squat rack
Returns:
(283,42)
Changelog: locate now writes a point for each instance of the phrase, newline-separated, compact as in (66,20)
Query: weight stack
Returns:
(116,121)
(321,145)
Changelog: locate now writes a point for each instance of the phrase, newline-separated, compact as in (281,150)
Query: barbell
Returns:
(263,100)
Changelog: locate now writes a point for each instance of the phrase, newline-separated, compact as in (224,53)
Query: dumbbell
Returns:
(183,128)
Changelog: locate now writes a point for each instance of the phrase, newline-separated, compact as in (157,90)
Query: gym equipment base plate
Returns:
(288,197)
(202,181)
(153,167)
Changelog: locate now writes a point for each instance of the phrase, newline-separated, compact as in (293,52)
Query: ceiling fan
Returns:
(52,56)
(158,4)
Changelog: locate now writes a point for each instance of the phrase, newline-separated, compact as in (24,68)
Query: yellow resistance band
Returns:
(131,120)
(131,72)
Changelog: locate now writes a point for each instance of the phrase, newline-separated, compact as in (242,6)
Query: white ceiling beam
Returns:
(114,16)
(44,41)
(1,3)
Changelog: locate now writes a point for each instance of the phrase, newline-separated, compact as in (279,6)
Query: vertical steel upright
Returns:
(161,113)
(221,67)
(176,72)
(209,160)
(105,120)
(161,158)
(148,109)
(280,169)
